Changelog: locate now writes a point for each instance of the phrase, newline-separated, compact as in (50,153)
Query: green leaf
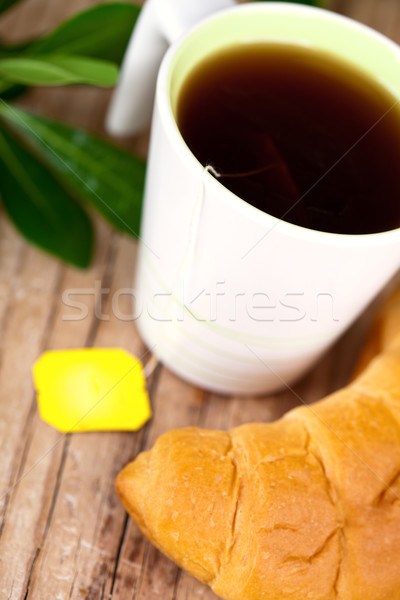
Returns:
(5,4)
(110,178)
(101,32)
(58,70)
(40,208)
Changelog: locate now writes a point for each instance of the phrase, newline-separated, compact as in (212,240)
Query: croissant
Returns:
(306,508)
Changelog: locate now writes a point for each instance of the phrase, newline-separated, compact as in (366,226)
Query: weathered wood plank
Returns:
(82,531)
(41,455)
(22,340)
(386,18)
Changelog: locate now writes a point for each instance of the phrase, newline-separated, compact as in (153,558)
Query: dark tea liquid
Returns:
(298,134)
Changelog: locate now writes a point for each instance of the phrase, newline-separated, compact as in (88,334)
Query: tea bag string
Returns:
(183,272)
(184,268)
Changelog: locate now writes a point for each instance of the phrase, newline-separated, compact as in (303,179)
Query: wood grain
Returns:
(63,533)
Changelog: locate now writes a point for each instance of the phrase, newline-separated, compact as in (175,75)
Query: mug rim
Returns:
(163,101)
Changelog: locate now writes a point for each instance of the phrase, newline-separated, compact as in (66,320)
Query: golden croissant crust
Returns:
(306,508)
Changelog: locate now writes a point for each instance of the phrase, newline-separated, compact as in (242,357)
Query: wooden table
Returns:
(64,534)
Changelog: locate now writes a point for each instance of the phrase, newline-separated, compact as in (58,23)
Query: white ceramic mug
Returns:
(231,298)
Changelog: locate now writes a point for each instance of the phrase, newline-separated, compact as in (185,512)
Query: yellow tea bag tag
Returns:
(93,389)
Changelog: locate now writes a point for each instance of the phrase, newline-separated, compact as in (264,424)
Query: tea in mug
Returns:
(299,134)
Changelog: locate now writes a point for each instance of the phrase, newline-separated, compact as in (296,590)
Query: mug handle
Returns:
(160,23)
